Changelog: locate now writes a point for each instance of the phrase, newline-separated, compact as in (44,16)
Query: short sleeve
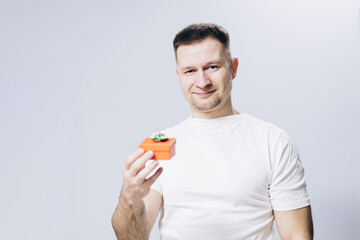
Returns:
(288,188)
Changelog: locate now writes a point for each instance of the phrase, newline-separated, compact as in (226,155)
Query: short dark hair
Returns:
(198,32)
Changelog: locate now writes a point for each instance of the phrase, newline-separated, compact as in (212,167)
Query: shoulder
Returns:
(263,128)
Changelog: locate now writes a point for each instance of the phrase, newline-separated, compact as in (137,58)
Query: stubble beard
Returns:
(214,103)
(207,107)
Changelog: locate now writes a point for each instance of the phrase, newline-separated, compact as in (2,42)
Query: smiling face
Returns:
(206,72)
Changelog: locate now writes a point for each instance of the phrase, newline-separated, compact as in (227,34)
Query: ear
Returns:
(177,71)
(234,67)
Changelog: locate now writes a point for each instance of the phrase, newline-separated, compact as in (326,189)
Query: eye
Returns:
(213,68)
(190,71)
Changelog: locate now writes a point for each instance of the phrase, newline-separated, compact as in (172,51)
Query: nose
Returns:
(203,80)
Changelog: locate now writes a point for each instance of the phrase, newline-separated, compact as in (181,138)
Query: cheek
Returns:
(185,85)
(220,80)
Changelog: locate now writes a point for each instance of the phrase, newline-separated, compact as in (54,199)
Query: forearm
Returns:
(130,220)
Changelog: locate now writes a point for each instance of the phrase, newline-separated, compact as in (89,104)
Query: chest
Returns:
(217,170)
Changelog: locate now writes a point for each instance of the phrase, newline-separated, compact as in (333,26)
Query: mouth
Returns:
(204,93)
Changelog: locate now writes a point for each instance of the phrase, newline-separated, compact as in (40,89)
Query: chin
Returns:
(204,108)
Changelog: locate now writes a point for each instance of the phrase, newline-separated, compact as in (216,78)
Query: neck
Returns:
(219,111)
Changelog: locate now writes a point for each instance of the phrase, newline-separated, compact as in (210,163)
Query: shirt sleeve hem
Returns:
(286,206)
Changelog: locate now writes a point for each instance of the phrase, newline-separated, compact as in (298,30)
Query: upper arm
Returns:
(295,224)
(152,203)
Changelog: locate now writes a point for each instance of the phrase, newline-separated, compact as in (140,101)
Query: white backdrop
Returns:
(83,82)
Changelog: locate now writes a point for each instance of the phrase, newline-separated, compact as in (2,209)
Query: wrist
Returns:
(131,203)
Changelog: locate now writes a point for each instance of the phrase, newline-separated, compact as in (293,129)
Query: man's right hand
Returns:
(130,219)
(135,185)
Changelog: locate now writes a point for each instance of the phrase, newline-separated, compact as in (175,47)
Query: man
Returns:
(232,174)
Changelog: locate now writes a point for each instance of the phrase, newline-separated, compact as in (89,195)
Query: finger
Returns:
(147,170)
(131,158)
(153,178)
(140,163)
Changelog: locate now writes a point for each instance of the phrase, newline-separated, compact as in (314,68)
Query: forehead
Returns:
(208,50)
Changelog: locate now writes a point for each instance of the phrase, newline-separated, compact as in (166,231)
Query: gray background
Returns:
(83,82)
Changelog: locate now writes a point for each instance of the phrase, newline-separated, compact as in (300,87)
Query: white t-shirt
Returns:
(227,177)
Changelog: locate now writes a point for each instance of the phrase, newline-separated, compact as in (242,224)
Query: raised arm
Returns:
(295,224)
(133,217)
